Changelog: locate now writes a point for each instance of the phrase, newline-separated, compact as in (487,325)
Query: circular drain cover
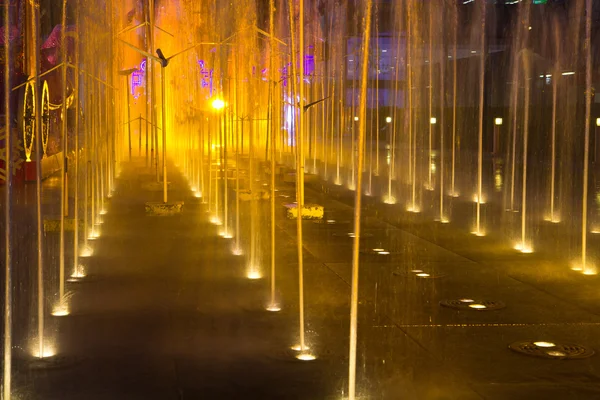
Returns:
(330,222)
(419,274)
(473,304)
(552,350)
(350,235)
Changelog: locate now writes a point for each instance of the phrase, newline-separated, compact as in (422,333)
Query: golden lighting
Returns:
(47,352)
(433,120)
(383,253)
(590,269)
(94,234)
(554,220)
(218,104)
(388,119)
(29,120)
(389,200)
(237,251)
(476,198)
(413,209)
(273,308)
(454,194)
(523,248)
(477,306)
(79,272)
(498,121)
(423,275)
(597,120)
(87,251)
(467,300)
(544,344)
(478,233)
(306,357)
(61,309)
(253,274)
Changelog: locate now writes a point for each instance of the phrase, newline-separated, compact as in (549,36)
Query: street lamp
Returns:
(496,143)
(218,104)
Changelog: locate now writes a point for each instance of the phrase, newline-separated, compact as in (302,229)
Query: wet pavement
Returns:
(167,312)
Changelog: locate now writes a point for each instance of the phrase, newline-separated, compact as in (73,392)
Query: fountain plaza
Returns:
(298,199)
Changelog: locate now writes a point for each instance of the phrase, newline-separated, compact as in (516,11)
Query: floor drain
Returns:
(351,235)
(552,350)
(473,304)
(419,274)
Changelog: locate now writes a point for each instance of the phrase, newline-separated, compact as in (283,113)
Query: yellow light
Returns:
(48,350)
(544,344)
(498,121)
(597,121)
(305,357)
(356,118)
(433,120)
(61,309)
(79,273)
(388,119)
(218,104)
(477,306)
(253,274)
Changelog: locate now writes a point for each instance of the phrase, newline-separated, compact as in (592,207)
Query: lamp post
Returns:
(163,63)
(497,124)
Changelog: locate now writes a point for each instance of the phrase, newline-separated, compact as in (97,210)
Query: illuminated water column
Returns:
(587,267)
(61,308)
(453,191)
(479,197)
(8,299)
(357,207)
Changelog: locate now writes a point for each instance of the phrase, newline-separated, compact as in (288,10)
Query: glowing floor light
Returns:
(48,351)
(273,308)
(61,309)
(389,200)
(79,273)
(86,251)
(524,248)
(253,274)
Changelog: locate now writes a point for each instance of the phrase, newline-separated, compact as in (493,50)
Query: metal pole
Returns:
(163,72)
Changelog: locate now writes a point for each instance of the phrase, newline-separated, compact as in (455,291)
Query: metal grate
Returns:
(473,304)
(551,350)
